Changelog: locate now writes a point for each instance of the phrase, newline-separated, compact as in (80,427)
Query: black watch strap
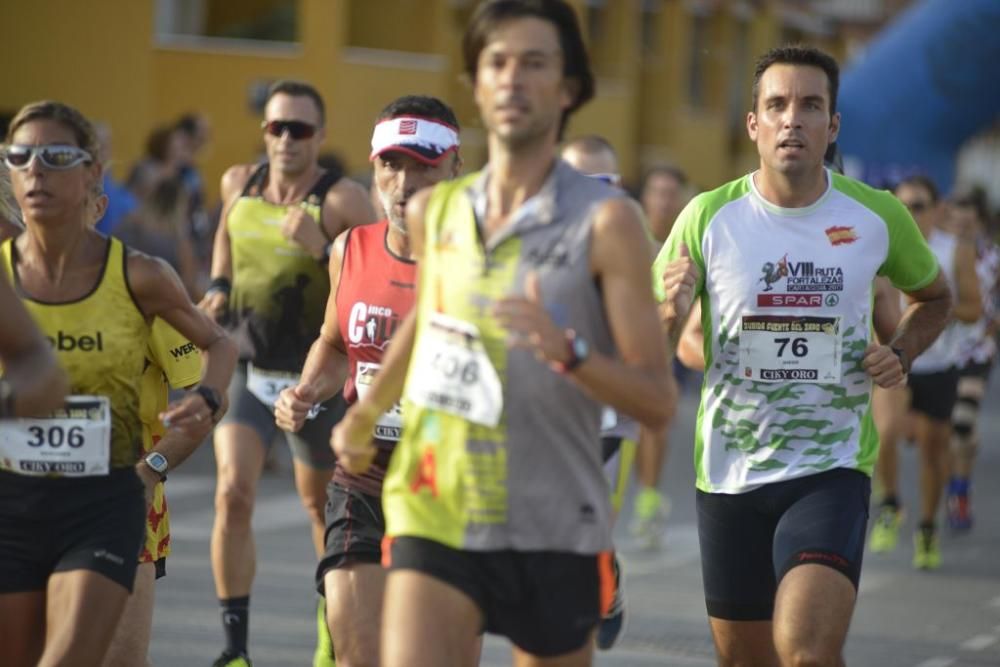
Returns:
(211,396)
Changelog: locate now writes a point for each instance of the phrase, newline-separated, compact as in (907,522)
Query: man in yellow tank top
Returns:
(270,287)
(172,362)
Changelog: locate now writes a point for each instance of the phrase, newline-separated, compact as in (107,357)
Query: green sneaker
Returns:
(927,551)
(228,659)
(649,518)
(323,657)
(885,532)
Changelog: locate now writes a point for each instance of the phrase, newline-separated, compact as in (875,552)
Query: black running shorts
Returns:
(354,530)
(546,602)
(57,525)
(934,394)
(749,541)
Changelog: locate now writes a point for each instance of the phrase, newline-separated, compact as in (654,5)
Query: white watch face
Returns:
(157,461)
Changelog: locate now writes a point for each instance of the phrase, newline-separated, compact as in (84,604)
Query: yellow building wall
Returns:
(403,25)
(93,55)
(105,58)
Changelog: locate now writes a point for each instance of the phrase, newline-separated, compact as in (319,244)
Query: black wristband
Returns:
(220,284)
(211,397)
(7,399)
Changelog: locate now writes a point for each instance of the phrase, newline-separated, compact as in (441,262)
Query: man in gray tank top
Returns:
(529,282)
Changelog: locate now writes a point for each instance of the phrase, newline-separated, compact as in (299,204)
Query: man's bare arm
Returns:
(925,318)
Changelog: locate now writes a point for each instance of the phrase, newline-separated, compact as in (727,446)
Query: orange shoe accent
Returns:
(606,574)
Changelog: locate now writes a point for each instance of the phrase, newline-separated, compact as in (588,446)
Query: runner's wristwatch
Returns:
(579,350)
(158,463)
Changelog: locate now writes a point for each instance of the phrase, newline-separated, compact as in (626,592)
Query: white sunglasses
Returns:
(57,157)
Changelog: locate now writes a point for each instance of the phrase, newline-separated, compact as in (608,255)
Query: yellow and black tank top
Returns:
(100,341)
(279,290)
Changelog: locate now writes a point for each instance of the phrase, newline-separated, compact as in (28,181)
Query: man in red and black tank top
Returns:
(375,293)
(372,280)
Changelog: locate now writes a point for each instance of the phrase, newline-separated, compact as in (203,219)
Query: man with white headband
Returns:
(372,278)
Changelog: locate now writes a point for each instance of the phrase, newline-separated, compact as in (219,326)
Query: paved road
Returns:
(904,618)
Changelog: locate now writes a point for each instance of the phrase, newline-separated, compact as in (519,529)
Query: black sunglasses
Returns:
(917,207)
(296,128)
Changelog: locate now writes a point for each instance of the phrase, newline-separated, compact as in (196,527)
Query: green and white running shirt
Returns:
(786,298)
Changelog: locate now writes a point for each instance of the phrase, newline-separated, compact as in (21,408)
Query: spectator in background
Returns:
(166,153)
(121,202)
(10,216)
(197,131)
(193,134)
(977,348)
(663,194)
(10,223)
(160,228)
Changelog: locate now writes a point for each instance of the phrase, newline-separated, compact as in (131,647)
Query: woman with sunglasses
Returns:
(72,485)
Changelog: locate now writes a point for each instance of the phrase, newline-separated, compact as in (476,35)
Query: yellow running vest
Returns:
(279,290)
(100,340)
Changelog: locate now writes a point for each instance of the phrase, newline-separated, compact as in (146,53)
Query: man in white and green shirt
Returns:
(782,262)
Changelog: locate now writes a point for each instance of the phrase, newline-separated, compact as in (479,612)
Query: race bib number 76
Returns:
(776,348)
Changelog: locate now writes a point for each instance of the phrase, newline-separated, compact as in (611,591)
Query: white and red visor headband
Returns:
(423,139)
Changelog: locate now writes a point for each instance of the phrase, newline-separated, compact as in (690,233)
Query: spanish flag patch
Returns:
(841,235)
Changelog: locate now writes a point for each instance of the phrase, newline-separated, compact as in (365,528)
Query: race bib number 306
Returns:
(72,442)
(451,372)
(775,348)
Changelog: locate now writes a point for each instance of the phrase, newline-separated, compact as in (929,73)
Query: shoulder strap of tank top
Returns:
(256,181)
(117,269)
(323,184)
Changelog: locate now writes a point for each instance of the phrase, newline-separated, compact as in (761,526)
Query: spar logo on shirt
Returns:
(799,284)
